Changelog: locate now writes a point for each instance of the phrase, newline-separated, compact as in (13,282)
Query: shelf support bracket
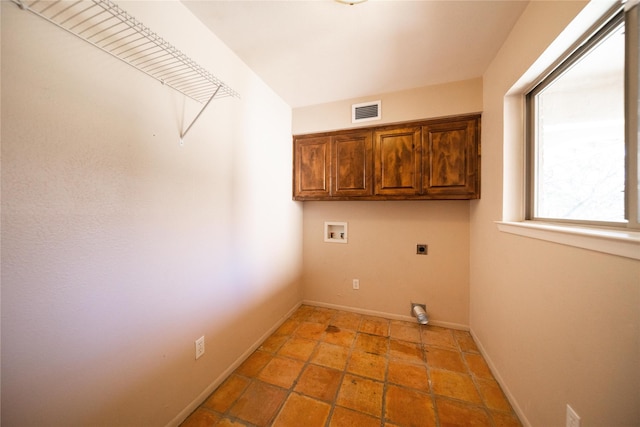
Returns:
(184,133)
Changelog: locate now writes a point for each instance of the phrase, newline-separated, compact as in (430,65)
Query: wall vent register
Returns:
(366,111)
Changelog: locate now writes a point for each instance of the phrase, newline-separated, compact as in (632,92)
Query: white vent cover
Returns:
(366,111)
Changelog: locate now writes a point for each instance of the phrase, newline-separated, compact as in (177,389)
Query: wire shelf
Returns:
(106,26)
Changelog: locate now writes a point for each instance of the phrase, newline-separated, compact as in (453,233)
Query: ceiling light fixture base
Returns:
(350,2)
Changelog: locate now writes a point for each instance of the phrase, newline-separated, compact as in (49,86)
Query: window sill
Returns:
(614,242)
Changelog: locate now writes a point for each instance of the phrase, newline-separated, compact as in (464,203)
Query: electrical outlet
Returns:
(573,420)
(421,249)
(356,284)
(199,347)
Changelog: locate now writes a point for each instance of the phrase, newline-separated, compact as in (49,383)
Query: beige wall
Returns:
(559,325)
(381,253)
(383,235)
(119,246)
(421,103)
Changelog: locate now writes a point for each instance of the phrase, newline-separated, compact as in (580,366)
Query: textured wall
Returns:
(381,252)
(420,103)
(119,246)
(560,325)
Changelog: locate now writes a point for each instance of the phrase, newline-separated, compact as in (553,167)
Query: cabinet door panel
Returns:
(352,163)
(311,167)
(450,167)
(397,161)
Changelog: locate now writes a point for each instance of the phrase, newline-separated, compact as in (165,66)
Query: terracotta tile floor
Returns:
(332,368)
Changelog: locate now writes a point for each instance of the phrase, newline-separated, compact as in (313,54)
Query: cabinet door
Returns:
(397,160)
(352,164)
(311,168)
(451,166)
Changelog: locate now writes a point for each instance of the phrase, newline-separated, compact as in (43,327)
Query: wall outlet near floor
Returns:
(573,420)
(356,284)
(199,347)
(422,249)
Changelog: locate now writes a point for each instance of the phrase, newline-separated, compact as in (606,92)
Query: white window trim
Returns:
(625,243)
(618,242)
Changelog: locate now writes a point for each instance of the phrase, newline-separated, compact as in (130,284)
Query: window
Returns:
(582,158)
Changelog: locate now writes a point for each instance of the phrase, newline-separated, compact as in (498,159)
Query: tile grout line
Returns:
(288,391)
(273,353)
(432,394)
(387,356)
(475,383)
(304,366)
(334,403)
(403,355)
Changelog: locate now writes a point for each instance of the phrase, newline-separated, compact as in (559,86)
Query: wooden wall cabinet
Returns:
(351,165)
(311,167)
(397,161)
(451,163)
(435,159)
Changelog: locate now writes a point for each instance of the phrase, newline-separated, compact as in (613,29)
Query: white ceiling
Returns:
(312,52)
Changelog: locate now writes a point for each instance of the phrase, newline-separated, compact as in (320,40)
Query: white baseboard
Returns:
(223,376)
(391,316)
(503,385)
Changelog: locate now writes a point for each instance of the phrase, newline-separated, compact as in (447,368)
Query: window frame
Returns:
(603,28)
